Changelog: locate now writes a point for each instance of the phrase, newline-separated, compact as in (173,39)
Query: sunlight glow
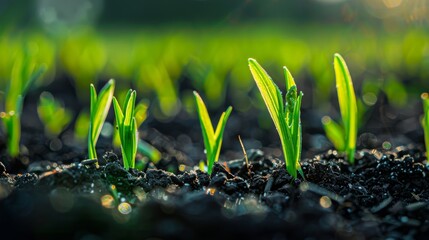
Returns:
(392,3)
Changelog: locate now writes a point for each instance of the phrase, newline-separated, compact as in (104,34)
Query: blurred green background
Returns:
(166,49)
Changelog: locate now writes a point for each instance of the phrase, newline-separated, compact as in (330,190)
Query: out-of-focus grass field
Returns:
(167,64)
(167,52)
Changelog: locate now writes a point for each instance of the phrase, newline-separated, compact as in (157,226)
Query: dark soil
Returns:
(384,195)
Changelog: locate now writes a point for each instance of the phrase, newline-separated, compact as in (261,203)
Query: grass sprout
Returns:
(140,113)
(24,73)
(127,127)
(212,139)
(143,147)
(53,114)
(425,121)
(285,113)
(100,105)
(343,137)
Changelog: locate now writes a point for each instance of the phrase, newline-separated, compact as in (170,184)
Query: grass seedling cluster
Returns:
(343,136)
(284,111)
(212,139)
(127,128)
(140,114)
(24,74)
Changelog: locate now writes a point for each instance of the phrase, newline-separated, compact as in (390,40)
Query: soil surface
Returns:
(384,195)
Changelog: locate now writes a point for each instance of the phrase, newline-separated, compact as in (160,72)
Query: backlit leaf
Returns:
(347,102)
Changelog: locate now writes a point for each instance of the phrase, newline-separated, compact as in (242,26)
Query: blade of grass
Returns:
(205,122)
(285,113)
(219,135)
(269,91)
(99,108)
(334,132)
(347,102)
(212,140)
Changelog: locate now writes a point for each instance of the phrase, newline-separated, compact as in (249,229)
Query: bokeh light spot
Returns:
(107,201)
(325,202)
(125,208)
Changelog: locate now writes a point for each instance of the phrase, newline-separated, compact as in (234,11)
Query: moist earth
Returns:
(383,195)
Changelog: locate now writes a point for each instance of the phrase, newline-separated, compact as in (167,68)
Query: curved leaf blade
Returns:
(348,105)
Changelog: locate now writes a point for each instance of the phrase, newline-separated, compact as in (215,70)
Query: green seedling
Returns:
(127,127)
(425,120)
(140,113)
(285,113)
(24,74)
(100,106)
(54,116)
(343,136)
(212,139)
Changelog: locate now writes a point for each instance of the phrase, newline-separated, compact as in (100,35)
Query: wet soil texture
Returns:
(383,196)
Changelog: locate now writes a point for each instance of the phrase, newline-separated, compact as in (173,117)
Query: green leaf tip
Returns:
(285,111)
(212,138)
(290,82)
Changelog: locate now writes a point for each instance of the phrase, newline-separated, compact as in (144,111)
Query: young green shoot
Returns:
(425,121)
(127,127)
(52,114)
(100,105)
(343,136)
(24,74)
(284,111)
(143,147)
(212,139)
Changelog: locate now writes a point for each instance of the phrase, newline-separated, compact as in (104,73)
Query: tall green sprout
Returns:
(24,73)
(140,113)
(212,139)
(343,136)
(100,106)
(127,127)
(285,113)
(425,120)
